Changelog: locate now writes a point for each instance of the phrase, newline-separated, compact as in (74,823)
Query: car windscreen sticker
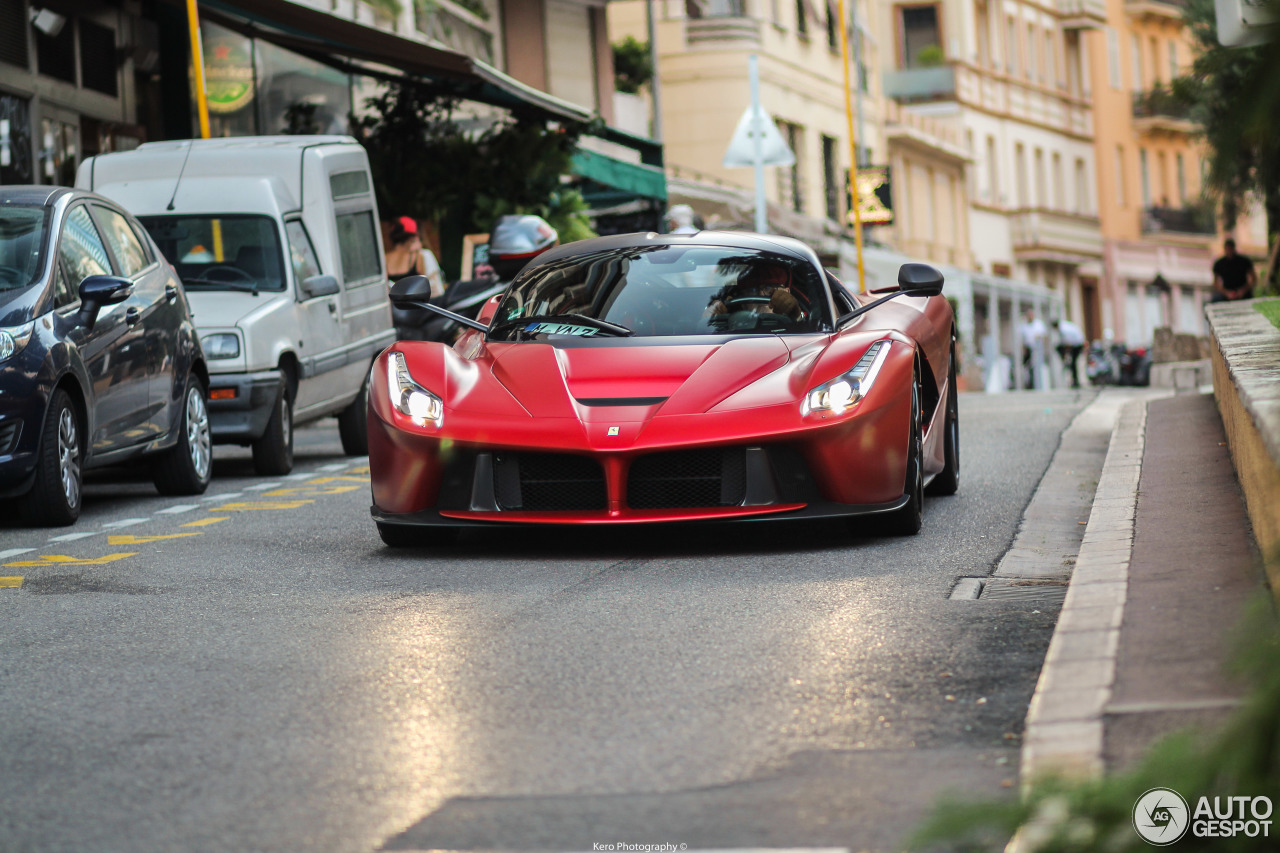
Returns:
(560,329)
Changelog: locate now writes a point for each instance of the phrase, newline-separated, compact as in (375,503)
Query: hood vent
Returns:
(620,401)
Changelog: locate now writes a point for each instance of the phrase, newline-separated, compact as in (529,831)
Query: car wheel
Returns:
(187,468)
(948,480)
(273,453)
(353,424)
(908,520)
(411,536)
(55,498)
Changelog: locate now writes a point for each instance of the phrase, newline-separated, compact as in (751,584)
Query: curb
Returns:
(1064,728)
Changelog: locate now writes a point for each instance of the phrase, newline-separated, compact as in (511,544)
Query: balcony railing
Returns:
(1160,103)
(723,30)
(1155,8)
(1179,220)
(1083,14)
(921,84)
(1039,233)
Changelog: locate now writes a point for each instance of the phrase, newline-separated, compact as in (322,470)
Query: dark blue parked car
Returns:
(99,360)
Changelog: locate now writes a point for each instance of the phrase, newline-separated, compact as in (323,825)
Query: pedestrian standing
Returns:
(1070,345)
(1233,275)
(680,220)
(1033,334)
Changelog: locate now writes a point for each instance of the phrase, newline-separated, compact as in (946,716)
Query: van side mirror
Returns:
(319,285)
(97,291)
(919,280)
(490,309)
(414,288)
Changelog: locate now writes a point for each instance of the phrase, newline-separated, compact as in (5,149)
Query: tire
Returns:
(409,536)
(273,453)
(187,467)
(56,496)
(908,520)
(353,424)
(947,482)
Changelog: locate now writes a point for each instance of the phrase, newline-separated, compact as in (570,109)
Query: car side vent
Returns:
(548,482)
(688,478)
(9,432)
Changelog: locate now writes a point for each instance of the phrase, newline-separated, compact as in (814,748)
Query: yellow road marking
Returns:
(361,470)
(205,521)
(63,560)
(130,539)
(337,479)
(10,583)
(332,490)
(246,506)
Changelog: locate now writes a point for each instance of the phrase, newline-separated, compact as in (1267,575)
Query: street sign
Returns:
(774,150)
(875,196)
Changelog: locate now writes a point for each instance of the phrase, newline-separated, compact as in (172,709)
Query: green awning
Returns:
(633,178)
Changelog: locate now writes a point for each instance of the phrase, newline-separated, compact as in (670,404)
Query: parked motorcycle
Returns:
(1116,364)
(515,241)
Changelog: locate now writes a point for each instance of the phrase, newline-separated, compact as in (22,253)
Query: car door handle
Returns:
(171,293)
(333,308)
(132,316)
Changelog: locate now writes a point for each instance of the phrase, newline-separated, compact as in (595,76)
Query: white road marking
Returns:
(71,537)
(13,552)
(124,522)
(299,477)
(262,487)
(179,509)
(222,497)
(336,466)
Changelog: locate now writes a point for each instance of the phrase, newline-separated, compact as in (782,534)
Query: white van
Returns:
(277,242)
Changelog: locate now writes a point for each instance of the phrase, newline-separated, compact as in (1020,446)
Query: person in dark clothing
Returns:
(1233,275)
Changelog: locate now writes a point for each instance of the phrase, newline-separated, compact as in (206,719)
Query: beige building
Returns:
(703,46)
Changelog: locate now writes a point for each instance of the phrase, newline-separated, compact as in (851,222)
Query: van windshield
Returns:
(221,252)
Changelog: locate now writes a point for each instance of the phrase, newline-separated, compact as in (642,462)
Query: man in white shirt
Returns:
(1070,345)
(680,220)
(1032,333)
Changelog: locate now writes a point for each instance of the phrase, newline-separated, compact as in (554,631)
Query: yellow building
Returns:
(1159,237)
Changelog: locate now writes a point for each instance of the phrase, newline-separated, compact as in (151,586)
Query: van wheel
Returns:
(187,468)
(55,498)
(353,424)
(273,453)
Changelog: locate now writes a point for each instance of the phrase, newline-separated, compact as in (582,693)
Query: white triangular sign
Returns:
(773,148)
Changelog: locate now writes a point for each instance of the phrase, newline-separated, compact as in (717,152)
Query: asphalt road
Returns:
(254,671)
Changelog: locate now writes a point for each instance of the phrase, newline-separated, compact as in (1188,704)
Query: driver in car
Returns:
(761,288)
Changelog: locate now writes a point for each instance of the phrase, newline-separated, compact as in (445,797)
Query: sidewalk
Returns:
(1166,566)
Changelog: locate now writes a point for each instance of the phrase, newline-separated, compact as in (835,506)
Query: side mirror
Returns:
(489,310)
(99,290)
(319,285)
(919,280)
(415,288)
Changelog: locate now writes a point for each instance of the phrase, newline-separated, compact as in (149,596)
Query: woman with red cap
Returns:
(404,254)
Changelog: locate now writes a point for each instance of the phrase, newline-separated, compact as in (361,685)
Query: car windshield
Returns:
(225,252)
(22,242)
(663,291)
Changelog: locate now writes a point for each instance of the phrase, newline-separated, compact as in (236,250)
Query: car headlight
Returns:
(225,345)
(14,338)
(410,398)
(842,393)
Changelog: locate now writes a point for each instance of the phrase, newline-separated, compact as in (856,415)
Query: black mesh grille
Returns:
(688,478)
(98,58)
(548,482)
(13,33)
(9,431)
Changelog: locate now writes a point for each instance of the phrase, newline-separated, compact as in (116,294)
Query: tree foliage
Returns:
(430,163)
(1234,95)
(632,68)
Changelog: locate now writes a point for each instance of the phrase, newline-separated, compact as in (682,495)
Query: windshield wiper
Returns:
(229,285)
(565,319)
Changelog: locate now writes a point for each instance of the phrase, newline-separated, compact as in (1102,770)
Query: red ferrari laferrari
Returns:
(669,378)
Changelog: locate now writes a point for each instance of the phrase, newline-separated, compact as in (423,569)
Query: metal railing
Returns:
(1160,103)
(1197,219)
(920,83)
